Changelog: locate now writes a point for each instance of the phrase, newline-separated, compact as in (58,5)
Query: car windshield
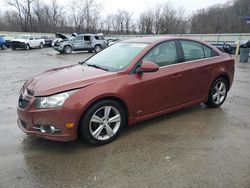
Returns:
(117,56)
(23,37)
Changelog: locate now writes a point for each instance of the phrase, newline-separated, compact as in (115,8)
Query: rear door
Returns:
(198,64)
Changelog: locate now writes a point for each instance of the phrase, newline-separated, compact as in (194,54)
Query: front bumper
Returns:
(16,44)
(58,48)
(29,118)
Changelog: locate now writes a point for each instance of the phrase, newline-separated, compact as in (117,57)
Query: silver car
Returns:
(82,42)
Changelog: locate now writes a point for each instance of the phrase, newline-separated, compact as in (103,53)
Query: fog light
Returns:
(53,129)
(46,129)
(69,125)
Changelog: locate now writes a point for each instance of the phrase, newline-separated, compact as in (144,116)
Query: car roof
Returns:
(150,39)
(158,39)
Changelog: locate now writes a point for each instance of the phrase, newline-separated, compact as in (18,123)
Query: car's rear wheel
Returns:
(4,46)
(218,93)
(67,49)
(102,122)
(97,48)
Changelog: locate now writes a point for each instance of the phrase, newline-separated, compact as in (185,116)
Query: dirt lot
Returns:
(196,147)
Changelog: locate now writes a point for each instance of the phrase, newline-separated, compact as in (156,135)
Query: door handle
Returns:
(208,68)
(176,76)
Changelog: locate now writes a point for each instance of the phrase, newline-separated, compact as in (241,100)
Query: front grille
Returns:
(17,44)
(22,103)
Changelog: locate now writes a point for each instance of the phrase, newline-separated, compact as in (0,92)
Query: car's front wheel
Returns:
(27,47)
(97,48)
(102,122)
(218,93)
(67,49)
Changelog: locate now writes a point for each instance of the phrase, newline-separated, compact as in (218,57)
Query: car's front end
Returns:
(18,43)
(58,46)
(51,104)
(42,116)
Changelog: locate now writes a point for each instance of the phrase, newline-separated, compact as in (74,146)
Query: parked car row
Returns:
(60,43)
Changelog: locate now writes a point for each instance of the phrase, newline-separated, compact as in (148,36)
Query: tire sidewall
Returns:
(211,102)
(96,47)
(41,45)
(27,47)
(64,49)
(84,123)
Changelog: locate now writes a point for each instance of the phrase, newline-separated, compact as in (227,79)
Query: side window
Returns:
(192,50)
(209,52)
(78,38)
(163,54)
(87,38)
(97,37)
(31,38)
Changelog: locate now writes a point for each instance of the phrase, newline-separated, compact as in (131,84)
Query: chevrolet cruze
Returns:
(128,82)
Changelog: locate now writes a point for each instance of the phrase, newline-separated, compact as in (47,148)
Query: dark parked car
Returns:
(223,47)
(126,83)
(48,40)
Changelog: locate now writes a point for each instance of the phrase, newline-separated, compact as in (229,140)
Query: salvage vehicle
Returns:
(126,83)
(112,41)
(26,42)
(82,42)
(59,38)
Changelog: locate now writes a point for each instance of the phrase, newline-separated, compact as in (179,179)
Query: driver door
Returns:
(159,90)
(78,43)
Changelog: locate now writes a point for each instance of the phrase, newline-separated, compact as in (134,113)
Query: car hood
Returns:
(19,40)
(66,78)
(59,35)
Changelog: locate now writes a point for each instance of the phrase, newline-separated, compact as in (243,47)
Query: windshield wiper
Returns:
(81,62)
(97,66)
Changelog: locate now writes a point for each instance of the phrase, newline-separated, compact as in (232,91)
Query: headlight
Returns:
(53,101)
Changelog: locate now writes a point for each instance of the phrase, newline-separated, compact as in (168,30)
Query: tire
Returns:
(4,46)
(95,126)
(41,45)
(67,49)
(217,93)
(27,47)
(97,48)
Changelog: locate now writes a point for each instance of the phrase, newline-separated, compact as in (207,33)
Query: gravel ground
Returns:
(195,147)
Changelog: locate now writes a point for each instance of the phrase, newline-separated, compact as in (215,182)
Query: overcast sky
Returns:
(137,6)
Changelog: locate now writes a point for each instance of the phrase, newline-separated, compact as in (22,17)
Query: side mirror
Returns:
(147,66)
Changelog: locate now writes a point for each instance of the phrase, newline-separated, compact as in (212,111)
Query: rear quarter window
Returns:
(209,52)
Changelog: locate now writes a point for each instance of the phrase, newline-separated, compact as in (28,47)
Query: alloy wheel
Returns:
(219,92)
(105,123)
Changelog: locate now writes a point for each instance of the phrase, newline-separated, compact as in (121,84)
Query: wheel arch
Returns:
(226,77)
(114,98)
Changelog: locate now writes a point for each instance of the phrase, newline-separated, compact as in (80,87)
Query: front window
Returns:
(117,56)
